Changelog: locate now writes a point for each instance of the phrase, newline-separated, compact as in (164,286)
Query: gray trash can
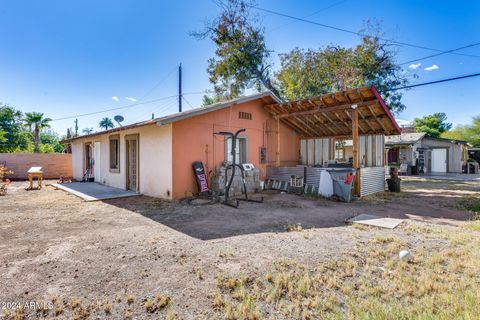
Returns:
(343,181)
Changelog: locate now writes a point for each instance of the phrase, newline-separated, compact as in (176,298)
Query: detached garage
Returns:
(424,154)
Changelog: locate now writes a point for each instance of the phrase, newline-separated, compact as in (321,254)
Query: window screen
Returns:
(115,153)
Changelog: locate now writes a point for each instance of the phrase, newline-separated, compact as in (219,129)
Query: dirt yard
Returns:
(288,258)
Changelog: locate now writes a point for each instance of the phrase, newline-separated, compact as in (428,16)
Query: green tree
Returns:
(50,142)
(36,121)
(241,56)
(307,73)
(106,123)
(434,124)
(17,138)
(87,130)
(3,139)
(468,132)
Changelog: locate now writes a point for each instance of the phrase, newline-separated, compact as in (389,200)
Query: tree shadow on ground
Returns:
(280,211)
(276,214)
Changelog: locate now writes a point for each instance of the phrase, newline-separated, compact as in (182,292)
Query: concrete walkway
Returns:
(92,191)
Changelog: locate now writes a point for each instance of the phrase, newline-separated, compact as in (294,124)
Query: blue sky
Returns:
(65,58)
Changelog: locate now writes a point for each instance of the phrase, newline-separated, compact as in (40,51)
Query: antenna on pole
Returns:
(76,127)
(180,88)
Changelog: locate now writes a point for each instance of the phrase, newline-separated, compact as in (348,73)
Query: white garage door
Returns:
(439,160)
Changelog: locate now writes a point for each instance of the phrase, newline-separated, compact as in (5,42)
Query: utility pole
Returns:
(76,127)
(180,88)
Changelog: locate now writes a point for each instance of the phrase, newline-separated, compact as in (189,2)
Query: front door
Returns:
(131,142)
(89,162)
(439,160)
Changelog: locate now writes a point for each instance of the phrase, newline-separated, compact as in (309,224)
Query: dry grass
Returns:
(474,225)
(371,283)
(382,197)
(471,204)
(294,227)
(158,303)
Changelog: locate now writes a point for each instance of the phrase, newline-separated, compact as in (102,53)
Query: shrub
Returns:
(4,182)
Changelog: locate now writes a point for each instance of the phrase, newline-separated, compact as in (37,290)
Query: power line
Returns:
(441,53)
(191,107)
(156,110)
(153,88)
(158,84)
(359,33)
(310,15)
(123,107)
(434,82)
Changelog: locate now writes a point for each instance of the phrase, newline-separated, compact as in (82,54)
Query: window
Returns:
(241,154)
(392,155)
(244,115)
(340,150)
(114,153)
(340,154)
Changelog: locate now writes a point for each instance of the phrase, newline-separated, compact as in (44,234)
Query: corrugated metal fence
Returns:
(285,173)
(372,180)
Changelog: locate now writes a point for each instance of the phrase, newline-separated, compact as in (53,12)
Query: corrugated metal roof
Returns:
(404,138)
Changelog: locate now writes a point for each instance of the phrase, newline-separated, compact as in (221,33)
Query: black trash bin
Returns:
(394,184)
(343,180)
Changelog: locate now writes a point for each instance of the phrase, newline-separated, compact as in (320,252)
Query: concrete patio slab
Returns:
(376,221)
(92,191)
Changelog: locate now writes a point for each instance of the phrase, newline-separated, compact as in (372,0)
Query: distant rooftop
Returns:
(405,138)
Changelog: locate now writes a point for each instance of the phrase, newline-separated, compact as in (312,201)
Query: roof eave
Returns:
(218,106)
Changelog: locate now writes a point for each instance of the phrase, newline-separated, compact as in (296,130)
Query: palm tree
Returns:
(106,123)
(38,122)
(87,130)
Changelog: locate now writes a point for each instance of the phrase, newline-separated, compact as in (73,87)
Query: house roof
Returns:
(331,115)
(267,96)
(411,138)
(404,138)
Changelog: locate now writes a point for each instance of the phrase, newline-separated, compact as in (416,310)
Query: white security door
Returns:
(439,160)
(96,159)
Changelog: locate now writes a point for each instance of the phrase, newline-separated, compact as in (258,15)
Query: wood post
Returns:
(277,152)
(356,149)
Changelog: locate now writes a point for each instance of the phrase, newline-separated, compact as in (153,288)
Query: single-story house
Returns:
(155,157)
(425,154)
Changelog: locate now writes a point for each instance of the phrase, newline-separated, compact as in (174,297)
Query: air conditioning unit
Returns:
(248,166)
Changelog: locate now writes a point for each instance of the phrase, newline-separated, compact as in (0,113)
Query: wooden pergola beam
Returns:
(312,124)
(316,116)
(297,127)
(342,121)
(376,119)
(350,117)
(333,122)
(318,109)
(356,149)
(277,151)
(366,121)
(309,131)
